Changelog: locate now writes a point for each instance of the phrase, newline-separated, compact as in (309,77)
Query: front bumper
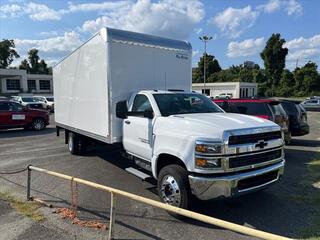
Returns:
(206,188)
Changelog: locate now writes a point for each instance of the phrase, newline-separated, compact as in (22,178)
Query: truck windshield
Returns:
(182,103)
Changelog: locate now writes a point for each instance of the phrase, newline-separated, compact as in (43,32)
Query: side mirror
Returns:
(148,114)
(122,110)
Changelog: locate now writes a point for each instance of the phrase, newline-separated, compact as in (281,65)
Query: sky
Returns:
(239,28)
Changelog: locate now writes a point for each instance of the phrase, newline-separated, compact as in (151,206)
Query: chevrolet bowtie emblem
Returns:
(261,144)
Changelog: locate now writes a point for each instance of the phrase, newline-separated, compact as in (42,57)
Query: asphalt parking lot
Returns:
(289,208)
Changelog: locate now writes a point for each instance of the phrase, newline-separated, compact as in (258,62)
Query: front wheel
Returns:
(173,187)
(38,124)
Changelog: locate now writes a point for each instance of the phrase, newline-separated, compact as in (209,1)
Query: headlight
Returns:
(208,147)
(205,152)
(208,163)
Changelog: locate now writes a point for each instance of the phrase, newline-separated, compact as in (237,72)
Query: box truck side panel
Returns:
(135,67)
(81,91)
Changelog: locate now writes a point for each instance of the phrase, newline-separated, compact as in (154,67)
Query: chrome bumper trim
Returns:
(206,188)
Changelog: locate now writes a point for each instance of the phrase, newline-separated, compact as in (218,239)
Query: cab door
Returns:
(138,129)
(4,114)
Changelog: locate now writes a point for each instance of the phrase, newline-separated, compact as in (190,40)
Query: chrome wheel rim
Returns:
(170,191)
(70,143)
(38,124)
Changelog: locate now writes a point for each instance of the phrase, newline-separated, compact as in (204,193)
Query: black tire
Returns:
(38,124)
(82,144)
(73,143)
(180,178)
(76,144)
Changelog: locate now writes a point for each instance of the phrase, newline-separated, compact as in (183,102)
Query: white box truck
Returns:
(135,89)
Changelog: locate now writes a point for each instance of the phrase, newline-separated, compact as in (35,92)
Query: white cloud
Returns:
(245,48)
(293,7)
(50,49)
(49,33)
(290,6)
(303,48)
(36,11)
(198,30)
(271,6)
(195,53)
(41,12)
(86,7)
(10,10)
(233,21)
(65,43)
(171,18)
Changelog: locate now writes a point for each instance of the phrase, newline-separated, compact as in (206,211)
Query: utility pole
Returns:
(204,39)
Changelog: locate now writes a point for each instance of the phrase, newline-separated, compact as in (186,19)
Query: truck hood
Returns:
(212,124)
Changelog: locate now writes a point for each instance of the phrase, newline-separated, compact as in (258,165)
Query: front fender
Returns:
(173,144)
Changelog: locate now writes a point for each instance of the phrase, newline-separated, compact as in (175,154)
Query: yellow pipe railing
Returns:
(197,216)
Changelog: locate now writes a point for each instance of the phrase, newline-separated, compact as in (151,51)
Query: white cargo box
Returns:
(108,68)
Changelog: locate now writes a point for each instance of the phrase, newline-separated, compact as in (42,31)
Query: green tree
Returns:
(7,53)
(24,65)
(34,65)
(274,58)
(286,84)
(212,66)
(34,58)
(43,67)
(307,79)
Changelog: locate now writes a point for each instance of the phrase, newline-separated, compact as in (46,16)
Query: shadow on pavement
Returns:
(16,133)
(276,209)
(305,143)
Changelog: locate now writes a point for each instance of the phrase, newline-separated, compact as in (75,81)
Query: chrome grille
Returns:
(254,138)
(248,160)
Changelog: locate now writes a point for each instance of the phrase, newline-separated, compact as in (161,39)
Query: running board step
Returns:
(138,173)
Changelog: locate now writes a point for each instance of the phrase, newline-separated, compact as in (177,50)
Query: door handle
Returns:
(127,121)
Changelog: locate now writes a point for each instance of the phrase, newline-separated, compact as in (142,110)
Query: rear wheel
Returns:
(76,143)
(174,188)
(73,143)
(38,124)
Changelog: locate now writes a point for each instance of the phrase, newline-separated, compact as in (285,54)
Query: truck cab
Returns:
(194,148)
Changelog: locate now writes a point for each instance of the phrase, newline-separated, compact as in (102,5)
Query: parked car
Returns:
(298,122)
(311,105)
(262,108)
(28,101)
(15,115)
(224,96)
(48,101)
(313,97)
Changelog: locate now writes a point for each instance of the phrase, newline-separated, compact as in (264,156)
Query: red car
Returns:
(14,115)
(264,108)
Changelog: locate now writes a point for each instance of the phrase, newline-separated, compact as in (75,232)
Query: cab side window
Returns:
(15,107)
(4,106)
(141,104)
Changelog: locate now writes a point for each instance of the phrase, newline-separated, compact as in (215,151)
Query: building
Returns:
(236,89)
(17,81)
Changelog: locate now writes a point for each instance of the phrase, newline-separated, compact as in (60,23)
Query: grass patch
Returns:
(27,209)
(311,197)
